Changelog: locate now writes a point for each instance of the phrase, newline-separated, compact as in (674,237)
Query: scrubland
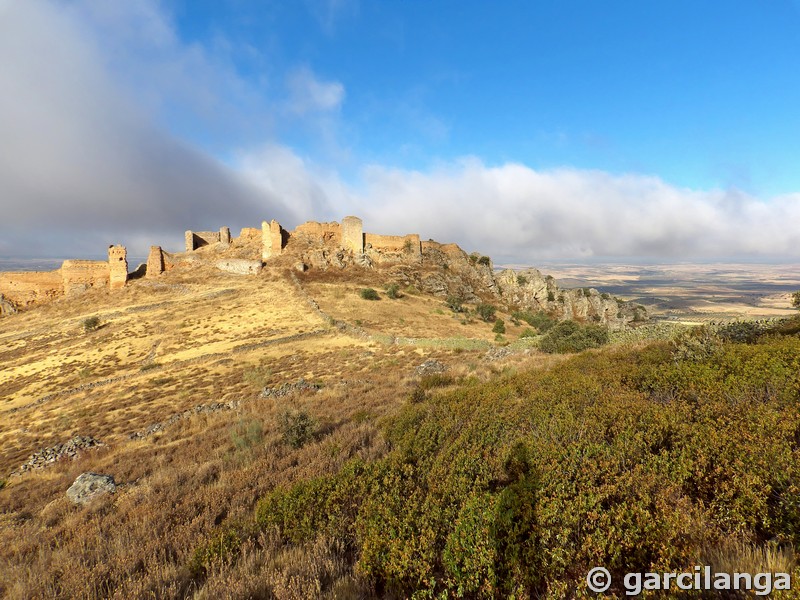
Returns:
(510,474)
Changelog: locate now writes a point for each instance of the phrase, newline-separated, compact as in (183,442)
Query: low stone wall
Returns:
(27,287)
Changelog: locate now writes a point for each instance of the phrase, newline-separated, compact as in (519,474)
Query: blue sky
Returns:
(702,94)
(529,130)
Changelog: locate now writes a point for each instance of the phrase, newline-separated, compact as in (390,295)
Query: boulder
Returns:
(6,306)
(240,266)
(430,367)
(89,486)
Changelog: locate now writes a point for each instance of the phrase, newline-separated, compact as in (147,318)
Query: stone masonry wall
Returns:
(324,232)
(394,243)
(79,275)
(117,266)
(353,234)
(27,287)
(197,239)
(155,262)
(271,239)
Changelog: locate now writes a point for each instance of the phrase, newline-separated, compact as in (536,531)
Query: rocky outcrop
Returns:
(240,266)
(89,486)
(6,306)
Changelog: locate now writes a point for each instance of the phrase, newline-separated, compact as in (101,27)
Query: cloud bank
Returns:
(86,160)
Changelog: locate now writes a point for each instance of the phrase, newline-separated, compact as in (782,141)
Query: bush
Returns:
(499,326)
(455,303)
(393,291)
(296,427)
(569,336)
(551,297)
(369,294)
(91,324)
(246,434)
(540,320)
(486,311)
(522,280)
(484,260)
(528,333)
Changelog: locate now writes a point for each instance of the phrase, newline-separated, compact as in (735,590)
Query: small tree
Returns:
(455,303)
(91,324)
(486,311)
(796,300)
(499,326)
(393,291)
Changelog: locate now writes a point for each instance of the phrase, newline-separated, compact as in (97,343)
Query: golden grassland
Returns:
(167,345)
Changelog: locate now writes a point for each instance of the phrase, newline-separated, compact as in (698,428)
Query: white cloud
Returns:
(80,155)
(308,94)
(516,213)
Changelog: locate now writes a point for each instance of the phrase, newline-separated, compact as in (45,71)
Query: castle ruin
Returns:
(318,242)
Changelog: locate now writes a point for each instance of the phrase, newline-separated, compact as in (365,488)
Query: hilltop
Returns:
(205,379)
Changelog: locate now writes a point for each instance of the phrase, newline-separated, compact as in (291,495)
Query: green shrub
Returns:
(587,292)
(222,546)
(499,326)
(455,303)
(246,434)
(528,333)
(522,280)
(540,320)
(435,380)
(296,427)
(369,294)
(569,336)
(2,483)
(551,297)
(393,291)
(91,324)
(486,311)
(484,260)
(743,332)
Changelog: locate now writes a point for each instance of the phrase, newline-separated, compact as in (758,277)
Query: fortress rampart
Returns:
(28,287)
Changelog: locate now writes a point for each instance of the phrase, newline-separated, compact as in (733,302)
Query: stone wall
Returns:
(155,262)
(353,234)
(324,232)
(117,266)
(198,239)
(80,275)
(27,287)
(409,244)
(249,233)
(225,235)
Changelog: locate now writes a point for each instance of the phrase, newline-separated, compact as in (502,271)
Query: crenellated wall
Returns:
(28,287)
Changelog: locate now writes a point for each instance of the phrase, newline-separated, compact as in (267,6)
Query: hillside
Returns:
(272,433)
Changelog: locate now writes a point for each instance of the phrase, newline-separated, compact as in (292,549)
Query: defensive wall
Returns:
(28,287)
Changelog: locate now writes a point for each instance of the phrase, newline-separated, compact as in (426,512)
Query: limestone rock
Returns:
(430,367)
(89,486)
(6,307)
(240,266)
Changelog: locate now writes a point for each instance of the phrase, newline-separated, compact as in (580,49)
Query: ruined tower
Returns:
(353,234)
(155,262)
(117,266)
(271,239)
